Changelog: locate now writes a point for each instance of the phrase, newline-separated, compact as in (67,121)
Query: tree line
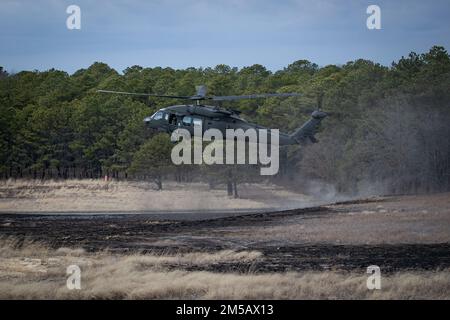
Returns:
(389,129)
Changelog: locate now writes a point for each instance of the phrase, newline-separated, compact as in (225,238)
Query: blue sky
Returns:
(185,33)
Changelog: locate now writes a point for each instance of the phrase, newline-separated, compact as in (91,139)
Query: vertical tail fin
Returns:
(309,128)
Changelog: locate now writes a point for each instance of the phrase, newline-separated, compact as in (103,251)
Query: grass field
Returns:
(315,253)
(116,196)
(33,271)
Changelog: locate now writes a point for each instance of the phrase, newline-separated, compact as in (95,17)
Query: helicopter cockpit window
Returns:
(187,120)
(158,116)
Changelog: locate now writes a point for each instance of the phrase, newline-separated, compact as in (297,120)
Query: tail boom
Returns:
(309,128)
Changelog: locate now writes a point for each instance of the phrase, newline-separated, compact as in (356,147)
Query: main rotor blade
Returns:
(253,96)
(144,94)
(201,97)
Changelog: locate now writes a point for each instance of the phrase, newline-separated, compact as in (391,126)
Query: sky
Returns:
(204,33)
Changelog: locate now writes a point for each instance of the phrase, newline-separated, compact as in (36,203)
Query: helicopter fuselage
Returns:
(205,117)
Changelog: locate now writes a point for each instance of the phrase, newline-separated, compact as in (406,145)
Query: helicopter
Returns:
(199,115)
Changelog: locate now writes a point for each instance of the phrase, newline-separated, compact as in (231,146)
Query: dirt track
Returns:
(270,233)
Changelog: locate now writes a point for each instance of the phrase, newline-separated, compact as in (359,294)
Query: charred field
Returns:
(321,238)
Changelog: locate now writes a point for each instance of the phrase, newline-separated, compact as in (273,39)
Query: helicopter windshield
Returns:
(158,115)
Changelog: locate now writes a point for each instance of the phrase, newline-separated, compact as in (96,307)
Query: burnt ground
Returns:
(142,233)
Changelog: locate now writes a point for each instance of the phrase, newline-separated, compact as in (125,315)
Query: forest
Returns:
(388,131)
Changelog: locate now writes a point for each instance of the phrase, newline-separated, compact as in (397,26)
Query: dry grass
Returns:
(114,196)
(32,271)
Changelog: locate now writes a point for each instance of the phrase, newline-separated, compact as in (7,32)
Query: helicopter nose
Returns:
(148,122)
(319,114)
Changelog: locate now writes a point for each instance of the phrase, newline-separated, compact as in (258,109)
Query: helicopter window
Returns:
(197,121)
(187,120)
(158,116)
(166,116)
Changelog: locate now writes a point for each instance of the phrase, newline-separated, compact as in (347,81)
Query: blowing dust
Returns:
(124,196)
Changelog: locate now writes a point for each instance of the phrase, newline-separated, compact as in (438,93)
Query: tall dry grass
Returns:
(33,271)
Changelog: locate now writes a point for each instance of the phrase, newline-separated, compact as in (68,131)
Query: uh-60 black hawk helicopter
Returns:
(188,116)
